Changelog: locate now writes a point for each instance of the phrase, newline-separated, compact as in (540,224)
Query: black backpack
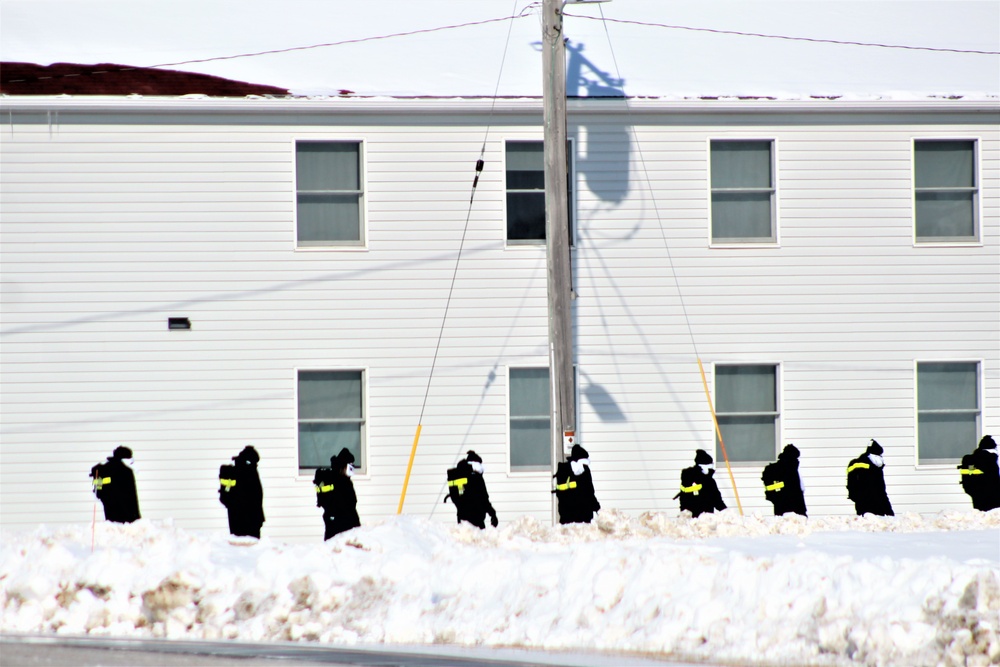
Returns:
(323,481)
(227,482)
(772,481)
(567,493)
(99,473)
(458,480)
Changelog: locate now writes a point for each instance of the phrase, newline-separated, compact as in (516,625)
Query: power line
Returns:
(786,37)
(528,9)
(524,12)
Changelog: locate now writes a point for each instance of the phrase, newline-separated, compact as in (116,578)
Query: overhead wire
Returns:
(480,163)
(673,269)
(527,10)
(816,40)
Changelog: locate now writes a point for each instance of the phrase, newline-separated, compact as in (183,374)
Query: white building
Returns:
(835,265)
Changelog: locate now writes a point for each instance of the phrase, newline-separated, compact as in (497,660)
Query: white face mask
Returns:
(349,470)
(577,466)
(876,459)
(477,467)
(706,467)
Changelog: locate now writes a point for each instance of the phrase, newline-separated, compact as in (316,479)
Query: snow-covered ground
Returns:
(907,590)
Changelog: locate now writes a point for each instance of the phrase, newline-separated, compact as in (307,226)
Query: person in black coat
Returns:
(335,494)
(782,484)
(699,493)
(467,490)
(114,485)
(981,475)
(242,494)
(575,496)
(866,483)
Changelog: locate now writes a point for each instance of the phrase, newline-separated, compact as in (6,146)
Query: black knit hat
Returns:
(987,442)
(471,457)
(121,452)
(875,448)
(342,458)
(249,454)
(578,453)
(702,457)
(789,452)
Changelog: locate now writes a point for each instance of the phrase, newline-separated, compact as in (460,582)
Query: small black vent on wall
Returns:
(179,323)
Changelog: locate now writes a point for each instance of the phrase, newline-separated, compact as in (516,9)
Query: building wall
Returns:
(115,220)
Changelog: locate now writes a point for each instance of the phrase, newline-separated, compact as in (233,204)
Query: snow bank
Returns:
(909,590)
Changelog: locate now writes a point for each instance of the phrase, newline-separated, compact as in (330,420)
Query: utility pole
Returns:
(562,394)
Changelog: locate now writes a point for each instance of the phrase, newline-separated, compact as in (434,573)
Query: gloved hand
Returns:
(494,521)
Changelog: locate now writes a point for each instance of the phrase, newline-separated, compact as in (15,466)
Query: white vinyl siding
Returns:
(115,219)
(948,410)
(946,190)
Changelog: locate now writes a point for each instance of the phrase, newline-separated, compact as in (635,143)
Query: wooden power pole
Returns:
(562,392)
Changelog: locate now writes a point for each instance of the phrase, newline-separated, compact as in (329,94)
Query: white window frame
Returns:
(778,399)
(775,240)
(980,389)
(977,204)
(571,205)
(364,471)
(511,471)
(342,246)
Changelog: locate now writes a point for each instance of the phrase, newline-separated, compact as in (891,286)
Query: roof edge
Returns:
(253,104)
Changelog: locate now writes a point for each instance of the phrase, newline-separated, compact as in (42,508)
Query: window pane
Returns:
(530,445)
(741,164)
(945,214)
(525,216)
(741,216)
(946,436)
(525,157)
(319,442)
(748,438)
(945,164)
(330,395)
(327,166)
(530,432)
(529,392)
(745,389)
(947,386)
(326,218)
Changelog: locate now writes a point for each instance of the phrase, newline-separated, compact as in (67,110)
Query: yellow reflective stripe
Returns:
(228,483)
(694,488)
(566,486)
(460,483)
(777,486)
(101,481)
(971,471)
(858,465)
(325,488)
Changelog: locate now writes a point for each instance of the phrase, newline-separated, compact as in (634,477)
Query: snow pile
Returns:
(836,590)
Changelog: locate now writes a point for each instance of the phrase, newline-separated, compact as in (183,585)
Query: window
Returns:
(526,192)
(948,410)
(530,431)
(331,417)
(328,193)
(742,175)
(945,190)
(746,405)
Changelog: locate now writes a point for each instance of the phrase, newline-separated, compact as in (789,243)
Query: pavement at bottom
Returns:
(82,651)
